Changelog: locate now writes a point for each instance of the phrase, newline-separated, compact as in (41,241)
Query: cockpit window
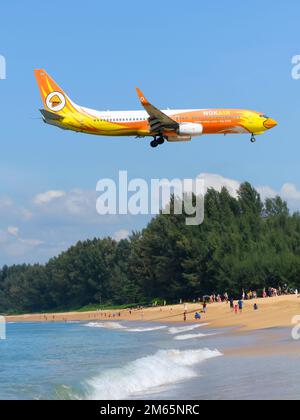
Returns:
(264,116)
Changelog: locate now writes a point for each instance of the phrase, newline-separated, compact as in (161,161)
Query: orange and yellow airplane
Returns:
(170,125)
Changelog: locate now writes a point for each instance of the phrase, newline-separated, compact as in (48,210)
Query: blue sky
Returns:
(190,54)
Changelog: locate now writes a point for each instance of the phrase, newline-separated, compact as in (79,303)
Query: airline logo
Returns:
(218,113)
(56,101)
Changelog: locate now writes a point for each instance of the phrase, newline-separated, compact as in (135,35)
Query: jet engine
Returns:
(190,129)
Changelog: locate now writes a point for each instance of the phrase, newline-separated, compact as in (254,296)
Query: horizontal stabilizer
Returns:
(50,115)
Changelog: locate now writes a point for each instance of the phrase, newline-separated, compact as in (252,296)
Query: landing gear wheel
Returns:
(157,141)
(253,139)
(154,143)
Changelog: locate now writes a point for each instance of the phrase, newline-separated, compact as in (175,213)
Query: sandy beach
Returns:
(272,313)
(151,354)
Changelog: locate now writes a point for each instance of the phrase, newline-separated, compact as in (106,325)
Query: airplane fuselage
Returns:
(135,123)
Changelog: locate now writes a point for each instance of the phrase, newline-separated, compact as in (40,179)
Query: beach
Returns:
(130,360)
(273,312)
(153,354)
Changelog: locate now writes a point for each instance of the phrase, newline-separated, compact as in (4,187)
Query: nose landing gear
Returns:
(157,141)
(253,139)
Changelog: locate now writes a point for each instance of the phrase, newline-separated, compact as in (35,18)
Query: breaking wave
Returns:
(106,325)
(146,374)
(183,337)
(118,326)
(163,327)
(186,328)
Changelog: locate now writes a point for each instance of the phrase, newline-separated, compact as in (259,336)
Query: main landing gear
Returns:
(157,141)
(253,139)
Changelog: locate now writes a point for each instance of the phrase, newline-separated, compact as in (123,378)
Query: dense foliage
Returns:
(243,243)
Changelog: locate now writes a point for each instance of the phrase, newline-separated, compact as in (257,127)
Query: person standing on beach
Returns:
(240,304)
(232,305)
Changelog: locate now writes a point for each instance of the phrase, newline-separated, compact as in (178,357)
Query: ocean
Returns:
(107,361)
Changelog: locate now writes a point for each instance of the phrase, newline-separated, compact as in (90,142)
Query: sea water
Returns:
(106,361)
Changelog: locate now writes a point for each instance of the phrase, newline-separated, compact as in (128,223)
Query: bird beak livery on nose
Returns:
(270,123)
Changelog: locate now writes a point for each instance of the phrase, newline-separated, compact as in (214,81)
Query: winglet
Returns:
(142,98)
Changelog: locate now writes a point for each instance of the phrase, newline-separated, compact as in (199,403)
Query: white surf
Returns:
(186,328)
(147,329)
(146,374)
(106,325)
(183,337)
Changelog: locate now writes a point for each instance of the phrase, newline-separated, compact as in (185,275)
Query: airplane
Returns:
(167,125)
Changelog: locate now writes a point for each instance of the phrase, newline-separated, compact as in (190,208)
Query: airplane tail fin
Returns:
(54,98)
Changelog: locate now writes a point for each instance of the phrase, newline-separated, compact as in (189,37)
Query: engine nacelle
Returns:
(190,129)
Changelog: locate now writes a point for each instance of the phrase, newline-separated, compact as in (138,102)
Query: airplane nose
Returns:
(270,123)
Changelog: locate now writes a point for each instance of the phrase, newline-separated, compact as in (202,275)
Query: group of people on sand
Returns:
(252,294)
(280,291)
(225,297)
(238,306)
(218,298)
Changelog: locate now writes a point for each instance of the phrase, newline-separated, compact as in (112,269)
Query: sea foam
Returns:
(147,329)
(107,325)
(186,328)
(183,337)
(147,374)
(118,326)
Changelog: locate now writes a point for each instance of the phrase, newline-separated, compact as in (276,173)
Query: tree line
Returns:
(244,243)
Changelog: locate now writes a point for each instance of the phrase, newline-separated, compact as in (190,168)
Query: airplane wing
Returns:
(158,120)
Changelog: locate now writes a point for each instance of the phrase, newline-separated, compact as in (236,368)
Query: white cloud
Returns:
(287,192)
(218,182)
(13,230)
(290,192)
(13,246)
(121,234)
(5,202)
(77,202)
(52,221)
(31,242)
(266,192)
(48,196)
